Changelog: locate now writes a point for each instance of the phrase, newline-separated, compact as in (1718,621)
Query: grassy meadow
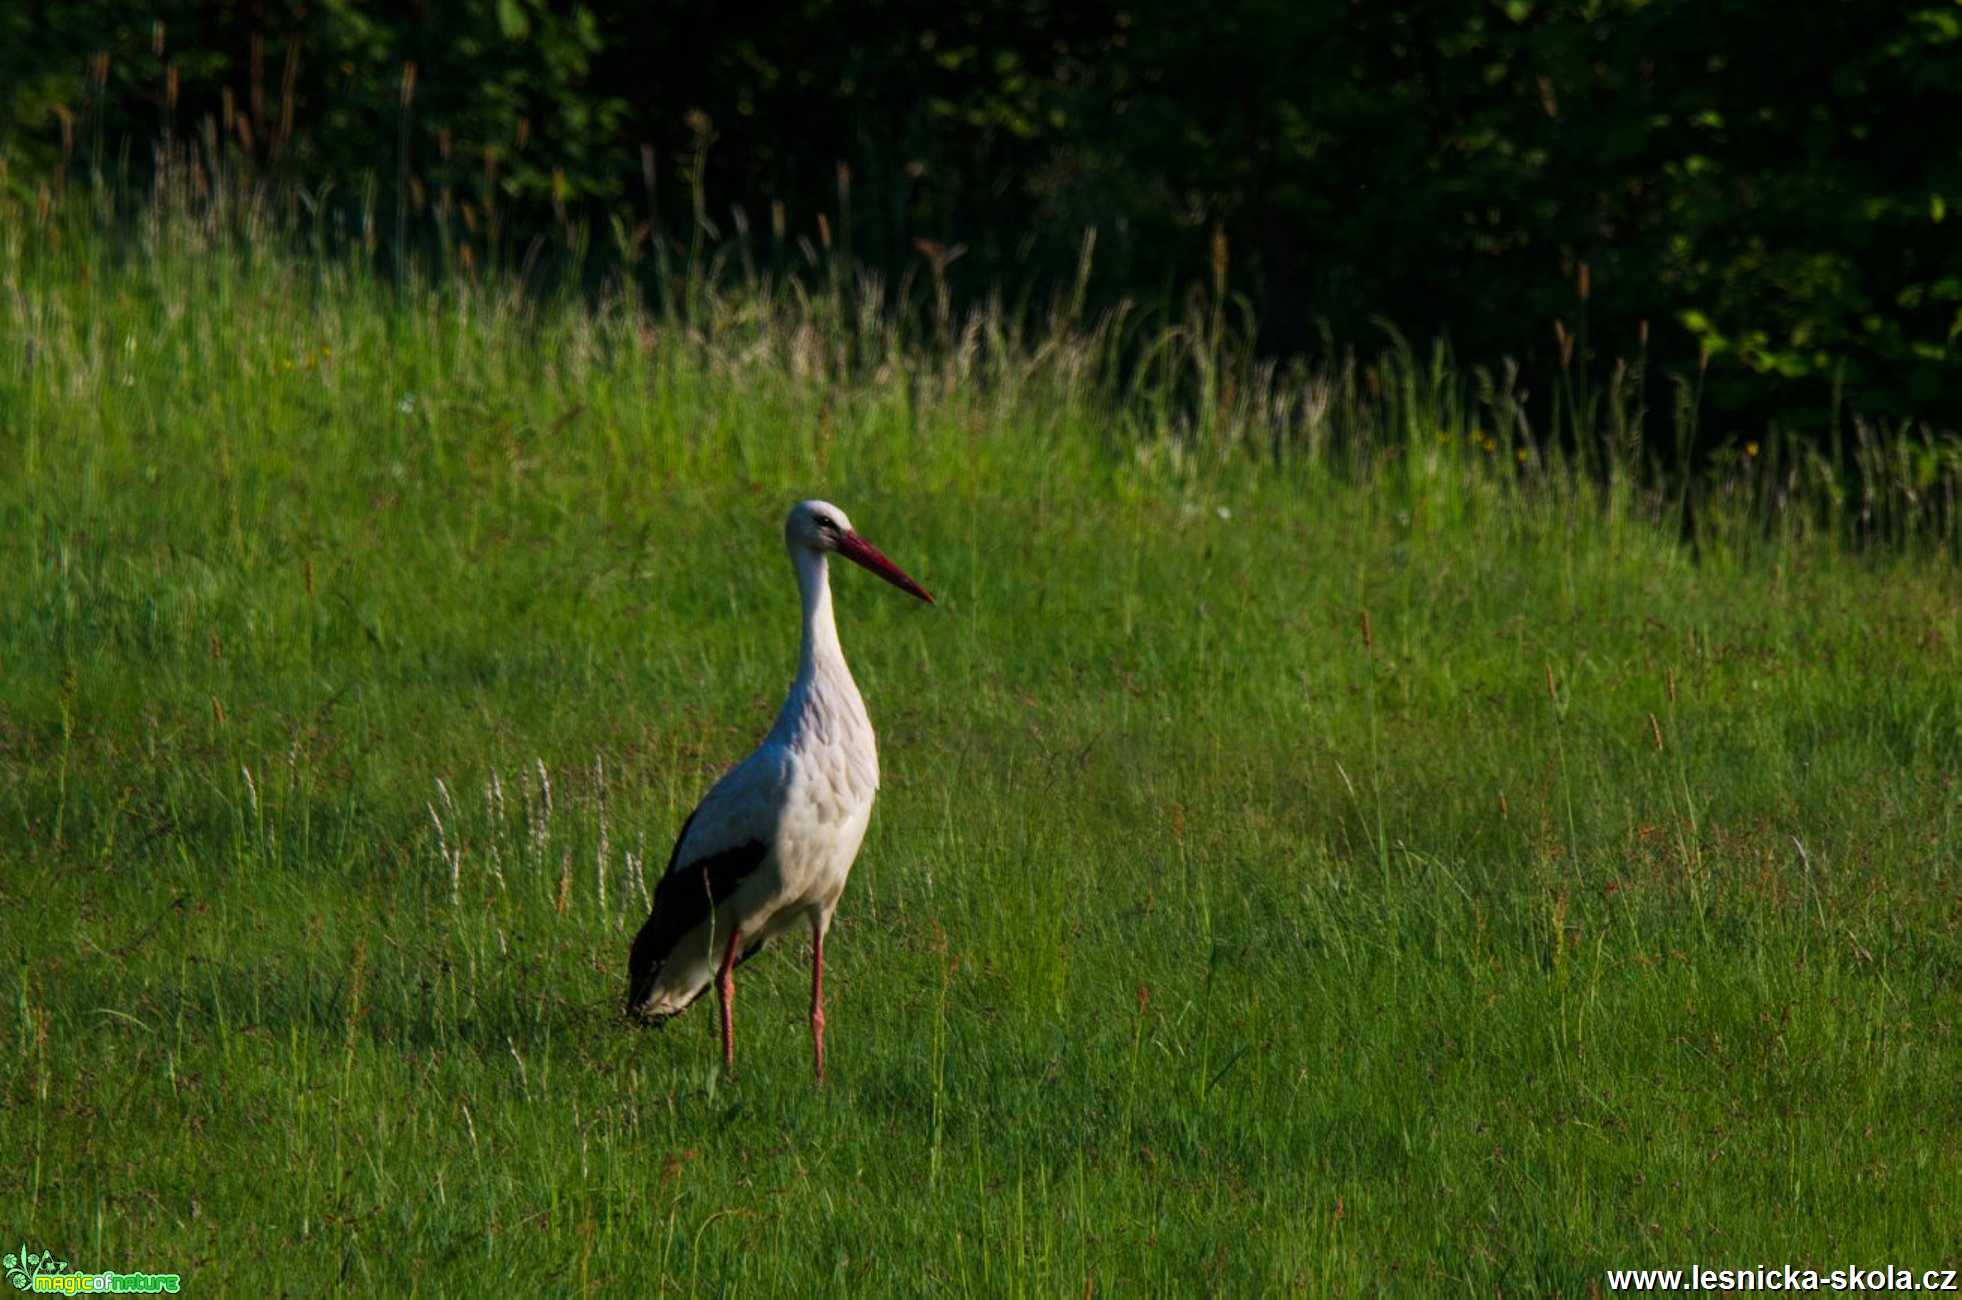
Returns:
(1330,844)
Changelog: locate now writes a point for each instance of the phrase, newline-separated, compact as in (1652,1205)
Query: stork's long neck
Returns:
(820,654)
(824,714)
(824,706)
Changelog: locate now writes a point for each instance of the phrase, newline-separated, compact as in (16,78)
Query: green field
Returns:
(1327,846)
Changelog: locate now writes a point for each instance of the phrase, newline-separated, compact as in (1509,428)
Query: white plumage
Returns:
(773,841)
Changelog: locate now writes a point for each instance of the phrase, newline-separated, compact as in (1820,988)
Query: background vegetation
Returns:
(1563,182)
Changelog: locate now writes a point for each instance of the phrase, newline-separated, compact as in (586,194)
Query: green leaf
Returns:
(512,18)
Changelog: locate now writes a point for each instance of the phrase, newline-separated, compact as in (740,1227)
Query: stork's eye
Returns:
(829,525)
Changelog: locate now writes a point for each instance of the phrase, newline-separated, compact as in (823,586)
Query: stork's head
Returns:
(820,527)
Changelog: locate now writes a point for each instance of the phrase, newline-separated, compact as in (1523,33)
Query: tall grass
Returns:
(1187,391)
(1337,837)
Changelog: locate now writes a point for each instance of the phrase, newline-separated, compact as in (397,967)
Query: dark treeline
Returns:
(1773,188)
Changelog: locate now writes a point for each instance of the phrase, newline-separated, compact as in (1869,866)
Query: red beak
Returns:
(864,554)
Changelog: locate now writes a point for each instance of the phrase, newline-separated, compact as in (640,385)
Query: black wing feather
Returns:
(683,900)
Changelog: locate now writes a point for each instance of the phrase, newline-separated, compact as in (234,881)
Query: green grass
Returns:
(1599,911)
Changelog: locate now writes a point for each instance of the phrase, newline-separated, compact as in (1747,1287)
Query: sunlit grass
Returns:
(1597,907)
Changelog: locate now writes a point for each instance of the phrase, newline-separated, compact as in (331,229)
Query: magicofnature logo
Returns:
(46,1275)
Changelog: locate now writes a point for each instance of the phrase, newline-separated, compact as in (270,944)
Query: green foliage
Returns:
(1618,168)
(1627,169)
(457,95)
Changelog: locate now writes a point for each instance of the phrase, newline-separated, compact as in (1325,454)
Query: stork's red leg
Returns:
(817,996)
(725,985)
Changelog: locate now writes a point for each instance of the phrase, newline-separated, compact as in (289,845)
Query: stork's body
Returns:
(773,841)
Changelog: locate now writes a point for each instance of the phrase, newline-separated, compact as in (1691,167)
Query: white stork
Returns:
(773,840)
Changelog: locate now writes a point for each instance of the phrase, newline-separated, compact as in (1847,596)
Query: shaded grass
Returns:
(1599,909)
